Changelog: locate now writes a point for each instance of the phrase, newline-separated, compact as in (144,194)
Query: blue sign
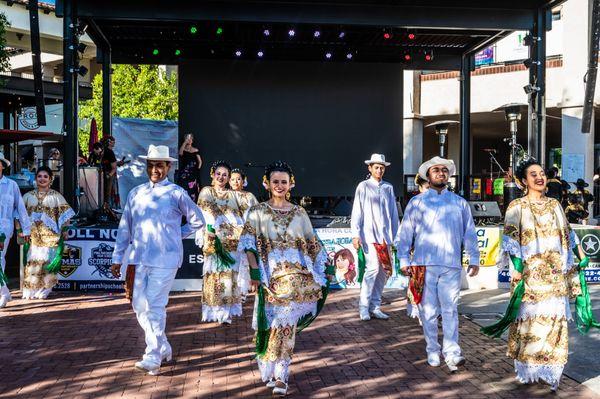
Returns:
(485,56)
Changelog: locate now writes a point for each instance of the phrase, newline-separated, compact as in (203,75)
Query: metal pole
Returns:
(70,96)
(106,92)
(540,103)
(465,125)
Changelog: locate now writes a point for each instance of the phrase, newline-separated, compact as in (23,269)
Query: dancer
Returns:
(246,199)
(538,240)
(151,228)
(436,226)
(221,294)
(11,204)
(288,266)
(374,224)
(50,216)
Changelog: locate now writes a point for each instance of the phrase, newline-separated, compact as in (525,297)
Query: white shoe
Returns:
(3,301)
(280,391)
(226,321)
(379,314)
(271,383)
(554,387)
(433,359)
(148,367)
(454,362)
(364,316)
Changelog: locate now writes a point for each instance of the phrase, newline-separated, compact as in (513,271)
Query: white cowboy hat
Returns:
(6,161)
(377,158)
(437,161)
(158,153)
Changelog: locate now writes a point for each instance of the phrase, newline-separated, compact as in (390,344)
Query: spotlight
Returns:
(193,30)
(328,55)
(428,56)
(291,33)
(81,29)
(317,34)
(342,35)
(238,53)
(349,56)
(407,57)
(155,51)
(219,31)
(266,33)
(529,62)
(411,36)
(530,89)
(178,52)
(260,54)
(81,47)
(387,35)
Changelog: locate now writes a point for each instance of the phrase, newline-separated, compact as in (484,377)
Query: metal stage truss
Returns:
(426,34)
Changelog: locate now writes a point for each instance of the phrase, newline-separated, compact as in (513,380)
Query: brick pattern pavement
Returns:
(84,346)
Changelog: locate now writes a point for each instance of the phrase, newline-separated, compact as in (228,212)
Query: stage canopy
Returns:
(421,34)
(412,34)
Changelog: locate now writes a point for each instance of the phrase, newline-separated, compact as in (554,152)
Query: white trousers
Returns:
(442,289)
(4,291)
(150,297)
(373,281)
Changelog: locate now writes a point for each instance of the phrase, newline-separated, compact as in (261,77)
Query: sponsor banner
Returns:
(338,244)
(589,236)
(488,241)
(87,257)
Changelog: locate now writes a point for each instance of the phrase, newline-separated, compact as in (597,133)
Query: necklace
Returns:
(40,198)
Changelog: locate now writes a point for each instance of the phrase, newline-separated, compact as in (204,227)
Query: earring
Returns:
(288,195)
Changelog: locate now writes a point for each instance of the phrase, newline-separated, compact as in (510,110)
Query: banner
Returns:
(87,258)
(133,136)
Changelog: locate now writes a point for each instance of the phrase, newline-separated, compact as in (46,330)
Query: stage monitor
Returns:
(324,118)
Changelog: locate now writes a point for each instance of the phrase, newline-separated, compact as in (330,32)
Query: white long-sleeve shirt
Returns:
(11,205)
(438,226)
(151,225)
(374,212)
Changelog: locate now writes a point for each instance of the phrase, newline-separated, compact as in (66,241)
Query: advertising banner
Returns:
(87,257)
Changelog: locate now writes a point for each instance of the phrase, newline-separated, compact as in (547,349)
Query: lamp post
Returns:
(512,112)
(441,129)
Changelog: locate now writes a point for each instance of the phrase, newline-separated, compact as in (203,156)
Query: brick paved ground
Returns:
(85,346)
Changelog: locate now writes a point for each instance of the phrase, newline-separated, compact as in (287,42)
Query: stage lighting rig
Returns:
(529,40)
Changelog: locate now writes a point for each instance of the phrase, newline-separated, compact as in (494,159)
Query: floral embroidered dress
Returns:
(245,200)
(291,262)
(540,235)
(49,213)
(221,295)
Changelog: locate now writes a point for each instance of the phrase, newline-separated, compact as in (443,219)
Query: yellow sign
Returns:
(488,241)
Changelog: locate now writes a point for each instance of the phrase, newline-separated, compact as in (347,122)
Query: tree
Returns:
(138,91)
(4,53)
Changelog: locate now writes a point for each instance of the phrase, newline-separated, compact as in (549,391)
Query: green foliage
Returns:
(138,91)
(4,56)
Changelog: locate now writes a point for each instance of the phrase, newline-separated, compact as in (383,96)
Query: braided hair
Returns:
(278,166)
(218,164)
(521,171)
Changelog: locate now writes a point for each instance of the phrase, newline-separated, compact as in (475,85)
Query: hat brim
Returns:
(6,161)
(168,159)
(369,162)
(427,165)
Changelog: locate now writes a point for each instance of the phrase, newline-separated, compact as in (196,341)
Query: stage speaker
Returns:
(90,182)
(485,209)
